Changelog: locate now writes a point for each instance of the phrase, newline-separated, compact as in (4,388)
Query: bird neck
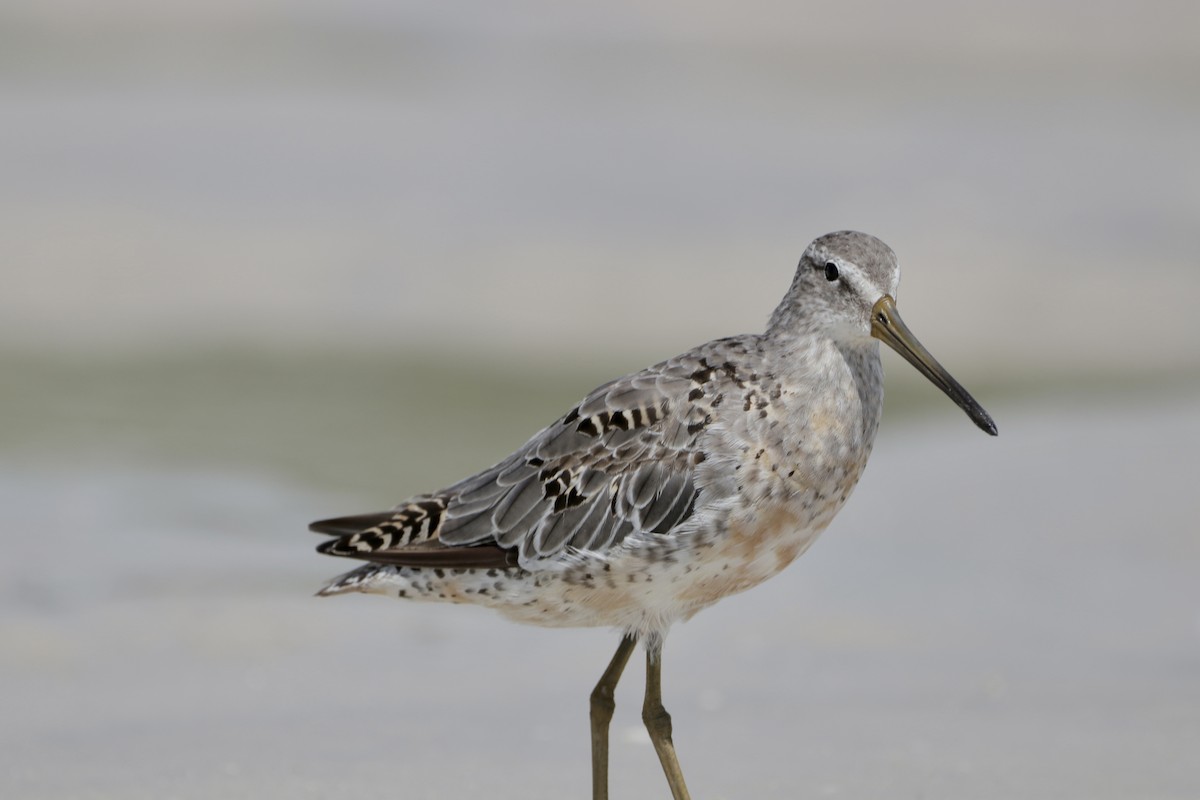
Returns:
(829,367)
(800,316)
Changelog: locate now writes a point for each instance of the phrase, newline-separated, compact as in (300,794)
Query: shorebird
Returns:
(665,490)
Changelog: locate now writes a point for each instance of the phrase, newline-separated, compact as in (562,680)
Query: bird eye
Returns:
(831,271)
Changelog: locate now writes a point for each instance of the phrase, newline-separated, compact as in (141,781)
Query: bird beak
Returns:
(887,327)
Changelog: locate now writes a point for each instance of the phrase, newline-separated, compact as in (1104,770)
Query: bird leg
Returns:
(602,711)
(658,721)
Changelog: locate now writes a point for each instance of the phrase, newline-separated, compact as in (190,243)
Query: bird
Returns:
(668,489)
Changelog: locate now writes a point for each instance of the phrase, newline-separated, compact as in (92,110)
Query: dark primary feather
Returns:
(433,555)
(623,459)
(356,523)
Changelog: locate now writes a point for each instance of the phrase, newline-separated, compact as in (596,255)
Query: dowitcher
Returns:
(668,489)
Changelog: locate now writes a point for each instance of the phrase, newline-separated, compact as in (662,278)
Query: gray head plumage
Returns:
(838,281)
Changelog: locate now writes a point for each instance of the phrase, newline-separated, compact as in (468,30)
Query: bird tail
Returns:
(368,579)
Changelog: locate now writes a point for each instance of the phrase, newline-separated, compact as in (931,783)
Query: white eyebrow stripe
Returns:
(858,281)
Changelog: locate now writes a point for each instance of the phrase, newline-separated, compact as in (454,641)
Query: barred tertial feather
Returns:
(414,522)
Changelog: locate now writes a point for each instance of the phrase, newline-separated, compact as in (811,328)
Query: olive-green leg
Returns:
(602,711)
(658,721)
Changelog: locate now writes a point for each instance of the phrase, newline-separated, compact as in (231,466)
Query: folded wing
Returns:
(623,460)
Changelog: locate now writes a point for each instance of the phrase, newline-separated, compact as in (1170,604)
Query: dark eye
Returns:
(831,271)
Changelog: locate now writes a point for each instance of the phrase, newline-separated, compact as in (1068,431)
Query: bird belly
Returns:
(657,580)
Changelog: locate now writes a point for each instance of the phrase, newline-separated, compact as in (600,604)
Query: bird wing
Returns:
(622,460)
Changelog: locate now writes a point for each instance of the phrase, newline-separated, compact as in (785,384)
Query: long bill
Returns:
(889,328)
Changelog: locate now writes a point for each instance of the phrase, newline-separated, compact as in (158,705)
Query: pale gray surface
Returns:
(423,173)
(1017,617)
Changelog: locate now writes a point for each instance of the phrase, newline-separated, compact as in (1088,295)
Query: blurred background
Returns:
(263,262)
